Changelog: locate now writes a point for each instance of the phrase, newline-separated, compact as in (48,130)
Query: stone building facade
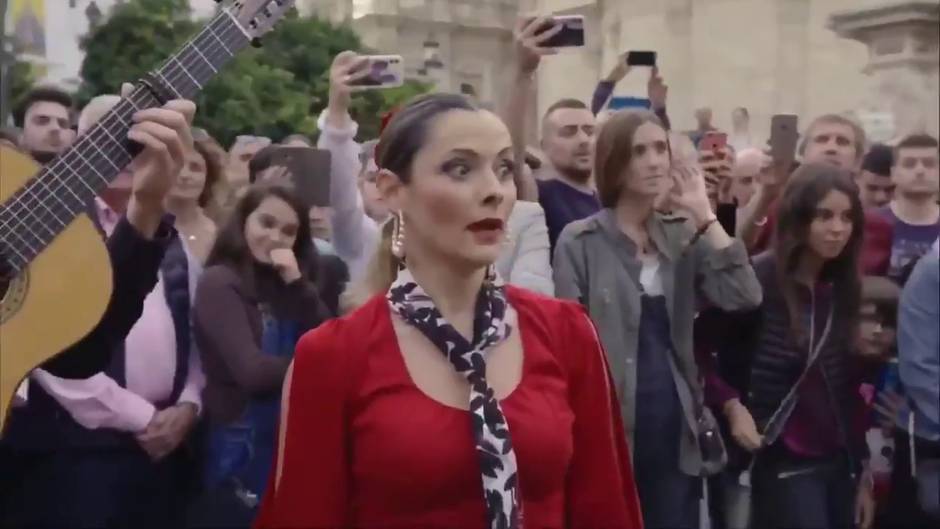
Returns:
(457,45)
(875,58)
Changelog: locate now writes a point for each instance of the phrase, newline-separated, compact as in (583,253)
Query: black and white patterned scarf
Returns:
(490,430)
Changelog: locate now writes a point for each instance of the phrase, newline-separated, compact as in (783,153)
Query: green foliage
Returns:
(273,91)
(137,37)
(22,76)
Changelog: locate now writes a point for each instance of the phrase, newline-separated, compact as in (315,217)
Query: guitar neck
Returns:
(32,218)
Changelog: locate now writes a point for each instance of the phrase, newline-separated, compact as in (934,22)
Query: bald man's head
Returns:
(747,167)
(95,110)
(91,114)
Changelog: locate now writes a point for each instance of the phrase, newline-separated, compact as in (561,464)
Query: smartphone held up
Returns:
(379,71)
(784,137)
(641,58)
(713,141)
(571,34)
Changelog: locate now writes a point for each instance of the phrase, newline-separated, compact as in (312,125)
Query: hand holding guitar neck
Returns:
(166,136)
(55,272)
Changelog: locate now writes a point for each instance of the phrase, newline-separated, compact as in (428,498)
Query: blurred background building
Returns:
(877,59)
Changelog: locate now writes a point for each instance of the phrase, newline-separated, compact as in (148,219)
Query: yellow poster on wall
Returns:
(27,19)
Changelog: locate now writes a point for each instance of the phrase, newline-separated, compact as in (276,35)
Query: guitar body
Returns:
(60,297)
(63,285)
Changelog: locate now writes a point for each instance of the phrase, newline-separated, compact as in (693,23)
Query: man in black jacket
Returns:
(136,248)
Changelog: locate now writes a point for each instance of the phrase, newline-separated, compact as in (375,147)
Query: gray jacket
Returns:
(595,264)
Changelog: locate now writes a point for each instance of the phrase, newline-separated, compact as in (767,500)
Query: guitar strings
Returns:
(175,70)
(121,115)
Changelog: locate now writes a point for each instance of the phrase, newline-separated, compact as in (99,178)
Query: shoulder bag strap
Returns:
(779,418)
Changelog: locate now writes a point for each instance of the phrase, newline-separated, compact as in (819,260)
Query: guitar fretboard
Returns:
(34,216)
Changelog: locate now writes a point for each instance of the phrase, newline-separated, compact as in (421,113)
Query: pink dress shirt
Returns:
(150,364)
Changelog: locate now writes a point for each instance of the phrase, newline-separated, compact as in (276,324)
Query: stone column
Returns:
(903,39)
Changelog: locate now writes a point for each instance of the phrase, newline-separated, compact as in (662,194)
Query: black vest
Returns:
(774,360)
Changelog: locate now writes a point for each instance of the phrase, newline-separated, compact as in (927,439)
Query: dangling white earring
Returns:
(491,275)
(398,237)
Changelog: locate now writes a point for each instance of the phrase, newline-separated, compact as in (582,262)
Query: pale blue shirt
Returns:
(919,345)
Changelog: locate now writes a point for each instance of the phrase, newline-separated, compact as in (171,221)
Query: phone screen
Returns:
(713,141)
(384,71)
(570,35)
(309,172)
(641,58)
(619,103)
(783,137)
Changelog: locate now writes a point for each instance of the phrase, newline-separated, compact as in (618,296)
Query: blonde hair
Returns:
(95,110)
(838,119)
(380,273)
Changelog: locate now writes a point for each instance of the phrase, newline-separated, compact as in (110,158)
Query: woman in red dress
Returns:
(448,400)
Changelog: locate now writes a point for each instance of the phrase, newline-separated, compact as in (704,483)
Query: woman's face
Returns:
(272,225)
(647,174)
(192,178)
(461,191)
(831,226)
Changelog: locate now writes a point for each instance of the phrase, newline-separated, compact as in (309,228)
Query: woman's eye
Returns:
(507,169)
(457,169)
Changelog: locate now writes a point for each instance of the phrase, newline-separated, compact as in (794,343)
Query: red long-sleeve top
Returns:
(362,447)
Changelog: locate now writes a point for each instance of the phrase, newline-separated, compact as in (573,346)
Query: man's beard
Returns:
(576,174)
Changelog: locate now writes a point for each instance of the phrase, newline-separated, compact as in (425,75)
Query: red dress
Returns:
(364,448)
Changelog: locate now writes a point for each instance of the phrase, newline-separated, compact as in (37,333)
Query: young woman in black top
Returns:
(791,399)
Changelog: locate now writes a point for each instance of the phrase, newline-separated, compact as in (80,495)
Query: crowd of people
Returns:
(624,327)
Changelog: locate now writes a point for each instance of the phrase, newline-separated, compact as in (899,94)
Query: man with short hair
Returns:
(44,116)
(566,191)
(829,139)
(748,164)
(834,139)
(913,212)
(73,440)
(874,181)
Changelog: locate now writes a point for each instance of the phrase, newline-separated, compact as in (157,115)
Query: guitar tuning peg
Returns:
(256,42)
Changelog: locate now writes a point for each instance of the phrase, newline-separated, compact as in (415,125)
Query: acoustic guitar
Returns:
(55,275)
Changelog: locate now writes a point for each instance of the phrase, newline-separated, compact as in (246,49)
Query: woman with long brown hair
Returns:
(254,301)
(792,396)
(640,274)
(450,400)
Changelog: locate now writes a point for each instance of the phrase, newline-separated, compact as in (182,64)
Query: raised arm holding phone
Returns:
(355,235)
(530,48)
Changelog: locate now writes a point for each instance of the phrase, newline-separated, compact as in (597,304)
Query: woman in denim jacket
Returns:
(639,275)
